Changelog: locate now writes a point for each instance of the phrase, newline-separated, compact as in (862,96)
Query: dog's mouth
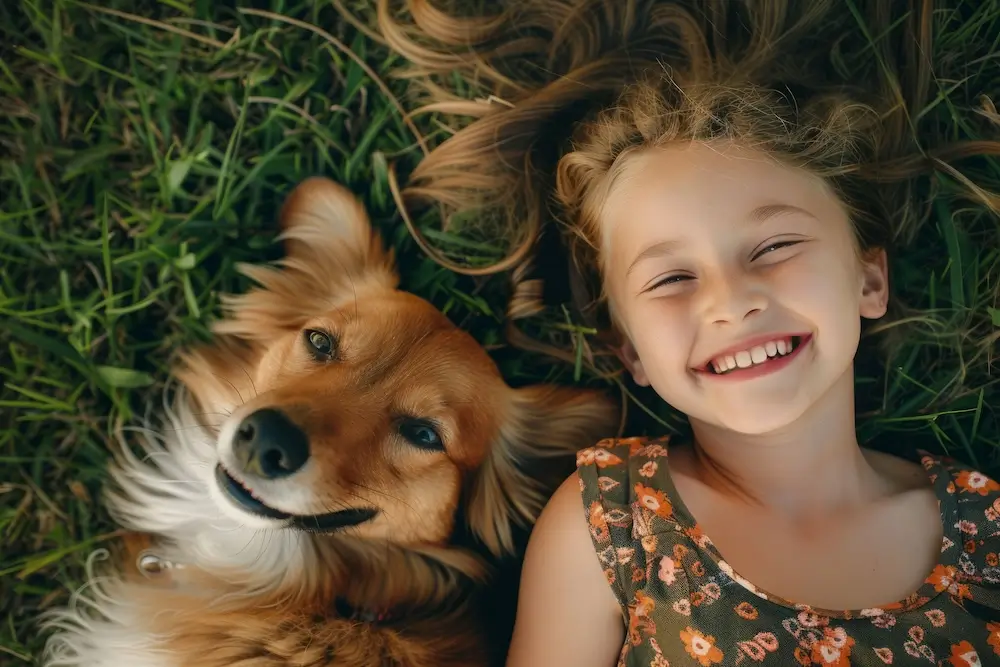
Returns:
(312,523)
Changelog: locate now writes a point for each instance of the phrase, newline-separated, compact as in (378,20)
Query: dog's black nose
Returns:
(270,445)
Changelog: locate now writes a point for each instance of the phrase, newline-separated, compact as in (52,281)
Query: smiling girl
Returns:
(737,210)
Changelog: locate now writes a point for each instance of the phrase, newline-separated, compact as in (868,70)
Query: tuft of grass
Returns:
(144,150)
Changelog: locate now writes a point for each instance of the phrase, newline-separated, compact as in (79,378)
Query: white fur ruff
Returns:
(167,493)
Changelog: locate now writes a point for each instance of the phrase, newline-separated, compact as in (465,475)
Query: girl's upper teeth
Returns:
(757,354)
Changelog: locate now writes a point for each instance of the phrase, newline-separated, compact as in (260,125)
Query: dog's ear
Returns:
(544,424)
(333,254)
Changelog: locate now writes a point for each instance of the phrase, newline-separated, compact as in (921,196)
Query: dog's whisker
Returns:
(387,495)
(247,373)
(227,381)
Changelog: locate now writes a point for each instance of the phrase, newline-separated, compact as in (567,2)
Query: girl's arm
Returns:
(567,614)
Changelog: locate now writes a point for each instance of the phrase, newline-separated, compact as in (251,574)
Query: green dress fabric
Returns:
(684,605)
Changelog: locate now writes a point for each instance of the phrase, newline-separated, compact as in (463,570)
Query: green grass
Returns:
(141,159)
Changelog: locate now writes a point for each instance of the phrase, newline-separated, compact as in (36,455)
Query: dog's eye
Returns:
(320,343)
(420,434)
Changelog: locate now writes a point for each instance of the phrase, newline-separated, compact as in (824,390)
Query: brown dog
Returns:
(308,493)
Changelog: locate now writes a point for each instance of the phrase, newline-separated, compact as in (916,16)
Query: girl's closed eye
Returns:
(771,247)
(670,280)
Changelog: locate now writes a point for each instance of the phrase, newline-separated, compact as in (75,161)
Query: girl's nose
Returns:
(730,299)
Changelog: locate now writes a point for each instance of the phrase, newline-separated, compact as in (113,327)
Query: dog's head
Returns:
(342,405)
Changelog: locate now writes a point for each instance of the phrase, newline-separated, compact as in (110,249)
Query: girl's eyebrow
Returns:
(768,211)
(660,249)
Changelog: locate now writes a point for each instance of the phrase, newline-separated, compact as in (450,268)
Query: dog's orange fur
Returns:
(396,355)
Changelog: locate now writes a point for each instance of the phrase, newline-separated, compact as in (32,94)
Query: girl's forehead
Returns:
(673,191)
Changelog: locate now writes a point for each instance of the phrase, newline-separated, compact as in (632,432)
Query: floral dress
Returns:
(684,605)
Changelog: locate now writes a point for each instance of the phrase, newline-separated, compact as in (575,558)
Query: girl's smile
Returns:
(759,357)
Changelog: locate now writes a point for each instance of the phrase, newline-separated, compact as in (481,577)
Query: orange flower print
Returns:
(967,527)
(682,607)
(994,638)
(624,555)
(596,455)
(767,640)
(648,468)
(668,570)
(698,536)
(971,481)
(649,543)
(753,651)
(964,655)
(746,611)
(697,597)
(604,483)
(884,654)
(679,552)
(638,618)
(697,569)
(833,649)
(652,452)
(970,546)
(658,659)
(943,579)
(992,560)
(653,500)
(884,622)
(643,604)
(603,458)
(811,619)
(598,524)
(701,647)
(712,591)
(936,617)
(634,444)
(802,657)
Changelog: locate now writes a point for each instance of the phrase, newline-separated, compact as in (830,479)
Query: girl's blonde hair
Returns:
(577,85)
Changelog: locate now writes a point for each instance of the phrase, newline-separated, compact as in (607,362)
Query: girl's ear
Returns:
(874,284)
(629,357)
(543,422)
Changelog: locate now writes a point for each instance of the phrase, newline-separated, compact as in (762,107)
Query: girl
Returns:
(723,185)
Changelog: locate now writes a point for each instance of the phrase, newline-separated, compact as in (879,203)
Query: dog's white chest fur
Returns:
(114,640)
(166,494)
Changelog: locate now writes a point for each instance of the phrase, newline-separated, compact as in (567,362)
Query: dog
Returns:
(333,480)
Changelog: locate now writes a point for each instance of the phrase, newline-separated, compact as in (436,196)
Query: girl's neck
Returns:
(812,466)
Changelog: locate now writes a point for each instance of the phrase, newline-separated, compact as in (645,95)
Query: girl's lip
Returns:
(773,365)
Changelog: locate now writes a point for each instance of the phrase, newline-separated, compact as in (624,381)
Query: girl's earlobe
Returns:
(630,358)
(875,284)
